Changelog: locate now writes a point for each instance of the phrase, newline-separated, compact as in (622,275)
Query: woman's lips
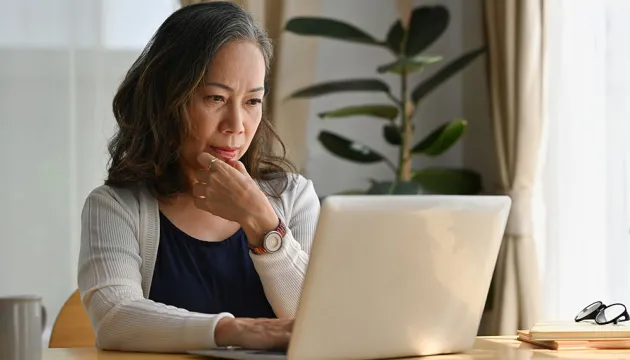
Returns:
(226,153)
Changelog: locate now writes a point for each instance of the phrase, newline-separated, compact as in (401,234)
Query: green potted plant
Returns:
(406,44)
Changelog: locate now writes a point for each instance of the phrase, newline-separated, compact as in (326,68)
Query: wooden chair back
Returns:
(72,327)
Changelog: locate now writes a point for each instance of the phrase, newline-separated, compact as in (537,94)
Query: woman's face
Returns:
(227,108)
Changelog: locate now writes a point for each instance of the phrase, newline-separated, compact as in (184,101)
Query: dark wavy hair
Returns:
(151,103)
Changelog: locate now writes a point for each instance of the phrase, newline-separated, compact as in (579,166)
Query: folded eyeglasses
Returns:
(603,314)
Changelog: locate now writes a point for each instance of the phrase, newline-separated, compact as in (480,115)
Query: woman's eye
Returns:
(255,101)
(217,98)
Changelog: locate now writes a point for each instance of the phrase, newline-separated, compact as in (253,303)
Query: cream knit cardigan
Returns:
(119,243)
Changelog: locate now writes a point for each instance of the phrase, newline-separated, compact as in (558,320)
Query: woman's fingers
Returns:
(206,160)
(282,342)
(199,190)
(211,163)
(202,176)
(282,333)
(210,177)
(201,203)
(262,333)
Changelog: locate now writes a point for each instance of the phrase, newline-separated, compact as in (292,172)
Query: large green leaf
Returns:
(340,86)
(348,149)
(394,188)
(441,139)
(330,28)
(392,135)
(388,112)
(426,25)
(409,64)
(424,88)
(395,38)
(448,181)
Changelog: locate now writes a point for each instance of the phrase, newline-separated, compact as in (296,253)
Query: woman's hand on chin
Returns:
(228,191)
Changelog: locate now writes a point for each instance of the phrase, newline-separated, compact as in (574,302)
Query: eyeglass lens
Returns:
(589,310)
(610,313)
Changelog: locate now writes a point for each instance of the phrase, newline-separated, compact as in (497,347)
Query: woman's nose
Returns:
(233,122)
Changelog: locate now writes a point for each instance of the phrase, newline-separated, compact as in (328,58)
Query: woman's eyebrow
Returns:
(230,89)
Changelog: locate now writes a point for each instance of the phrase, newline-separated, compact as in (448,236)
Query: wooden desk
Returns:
(486,348)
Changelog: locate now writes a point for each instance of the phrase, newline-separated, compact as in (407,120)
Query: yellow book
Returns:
(524,336)
(571,330)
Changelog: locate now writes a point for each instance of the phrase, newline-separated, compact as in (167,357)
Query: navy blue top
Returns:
(207,277)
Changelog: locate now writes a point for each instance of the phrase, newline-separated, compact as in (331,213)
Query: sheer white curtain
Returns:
(60,64)
(587,173)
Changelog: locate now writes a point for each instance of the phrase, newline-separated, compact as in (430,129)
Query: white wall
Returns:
(52,154)
(462,96)
(60,64)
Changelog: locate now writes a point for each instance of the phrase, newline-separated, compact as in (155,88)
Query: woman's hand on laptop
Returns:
(258,334)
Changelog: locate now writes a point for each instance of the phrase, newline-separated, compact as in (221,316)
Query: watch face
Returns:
(273,241)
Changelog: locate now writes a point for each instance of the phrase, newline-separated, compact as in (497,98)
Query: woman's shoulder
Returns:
(289,186)
(128,199)
(296,195)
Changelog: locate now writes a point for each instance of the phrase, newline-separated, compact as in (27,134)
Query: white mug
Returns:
(22,320)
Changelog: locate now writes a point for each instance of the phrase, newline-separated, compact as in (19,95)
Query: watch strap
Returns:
(280,229)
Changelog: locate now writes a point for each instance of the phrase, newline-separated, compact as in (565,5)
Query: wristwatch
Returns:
(272,241)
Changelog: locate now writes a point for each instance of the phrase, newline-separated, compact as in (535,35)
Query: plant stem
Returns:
(404,157)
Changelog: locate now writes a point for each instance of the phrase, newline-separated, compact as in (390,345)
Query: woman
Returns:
(200,236)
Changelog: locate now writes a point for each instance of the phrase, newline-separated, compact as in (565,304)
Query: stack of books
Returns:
(564,335)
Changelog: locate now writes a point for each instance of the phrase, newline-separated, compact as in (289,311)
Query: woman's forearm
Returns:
(144,325)
(282,275)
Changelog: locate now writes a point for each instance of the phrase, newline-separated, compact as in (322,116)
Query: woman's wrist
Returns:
(256,227)
(226,332)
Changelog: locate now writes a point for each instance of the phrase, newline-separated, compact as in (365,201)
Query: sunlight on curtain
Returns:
(60,64)
(587,175)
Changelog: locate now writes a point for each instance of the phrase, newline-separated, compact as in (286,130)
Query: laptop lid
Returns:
(395,276)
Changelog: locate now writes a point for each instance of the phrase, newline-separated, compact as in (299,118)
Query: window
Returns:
(60,64)
(587,172)
(113,24)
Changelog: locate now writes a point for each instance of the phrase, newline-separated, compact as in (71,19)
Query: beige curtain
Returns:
(514,30)
(293,67)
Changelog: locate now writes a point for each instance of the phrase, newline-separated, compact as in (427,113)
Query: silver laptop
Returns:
(394,276)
